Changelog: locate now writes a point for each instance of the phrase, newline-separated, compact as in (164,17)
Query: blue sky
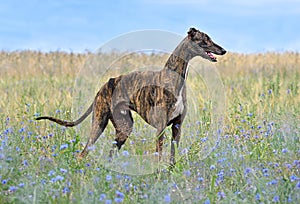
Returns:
(73,25)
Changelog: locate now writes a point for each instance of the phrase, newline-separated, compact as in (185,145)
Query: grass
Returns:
(256,159)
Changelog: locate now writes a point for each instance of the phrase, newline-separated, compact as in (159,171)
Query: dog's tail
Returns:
(68,123)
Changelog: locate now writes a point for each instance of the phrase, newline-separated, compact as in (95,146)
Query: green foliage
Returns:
(256,159)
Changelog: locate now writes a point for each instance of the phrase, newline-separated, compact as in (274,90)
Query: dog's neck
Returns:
(178,61)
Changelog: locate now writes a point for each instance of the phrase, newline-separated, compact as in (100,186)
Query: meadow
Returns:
(256,146)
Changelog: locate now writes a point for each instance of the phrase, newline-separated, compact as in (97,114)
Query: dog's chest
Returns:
(179,106)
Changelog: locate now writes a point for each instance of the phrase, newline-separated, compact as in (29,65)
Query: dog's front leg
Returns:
(176,131)
(123,122)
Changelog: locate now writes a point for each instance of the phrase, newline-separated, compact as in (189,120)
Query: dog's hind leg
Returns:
(101,114)
(98,126)
(159,142)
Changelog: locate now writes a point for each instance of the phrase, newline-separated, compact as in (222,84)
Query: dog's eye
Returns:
(202,43)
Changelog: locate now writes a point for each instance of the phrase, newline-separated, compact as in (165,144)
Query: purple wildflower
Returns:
(257,196)
(270,91)
(247,171)
(167,199)
(63,170)
(21,185)
(293,178)
(118,200)
(119,194)
(13,188)
(108,202)
(108,177)
(102,196)
(298,185)
(51,173)
(273,182)
(66,190)
(201,179)
(57,178)
(276,199)
(125,153)
(25,163)
(187,173)
(207,201)
(64,146)
(221,194)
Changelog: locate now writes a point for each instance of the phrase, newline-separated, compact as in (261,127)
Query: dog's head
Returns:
(203,46)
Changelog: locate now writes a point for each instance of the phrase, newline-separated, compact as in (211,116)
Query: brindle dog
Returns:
(159,97)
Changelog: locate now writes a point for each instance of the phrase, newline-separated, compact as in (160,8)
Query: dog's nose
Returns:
(223,51)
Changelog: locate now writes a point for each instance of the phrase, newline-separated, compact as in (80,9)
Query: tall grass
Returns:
(256,159)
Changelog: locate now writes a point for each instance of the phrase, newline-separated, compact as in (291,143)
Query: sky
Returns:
(245,26)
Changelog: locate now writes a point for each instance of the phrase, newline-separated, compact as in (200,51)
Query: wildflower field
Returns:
(256,157)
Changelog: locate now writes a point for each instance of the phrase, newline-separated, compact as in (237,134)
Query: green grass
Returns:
(256,159)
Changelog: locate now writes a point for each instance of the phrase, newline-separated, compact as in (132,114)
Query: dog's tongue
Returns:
(211,55)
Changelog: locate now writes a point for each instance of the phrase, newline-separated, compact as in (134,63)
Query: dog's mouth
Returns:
(211,56)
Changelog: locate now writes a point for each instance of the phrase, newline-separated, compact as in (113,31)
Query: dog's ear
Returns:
(192,32)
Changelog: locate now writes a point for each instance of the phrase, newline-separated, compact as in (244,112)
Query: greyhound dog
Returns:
(159,97)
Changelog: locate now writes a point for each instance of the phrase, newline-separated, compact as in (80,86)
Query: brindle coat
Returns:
(159,97)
